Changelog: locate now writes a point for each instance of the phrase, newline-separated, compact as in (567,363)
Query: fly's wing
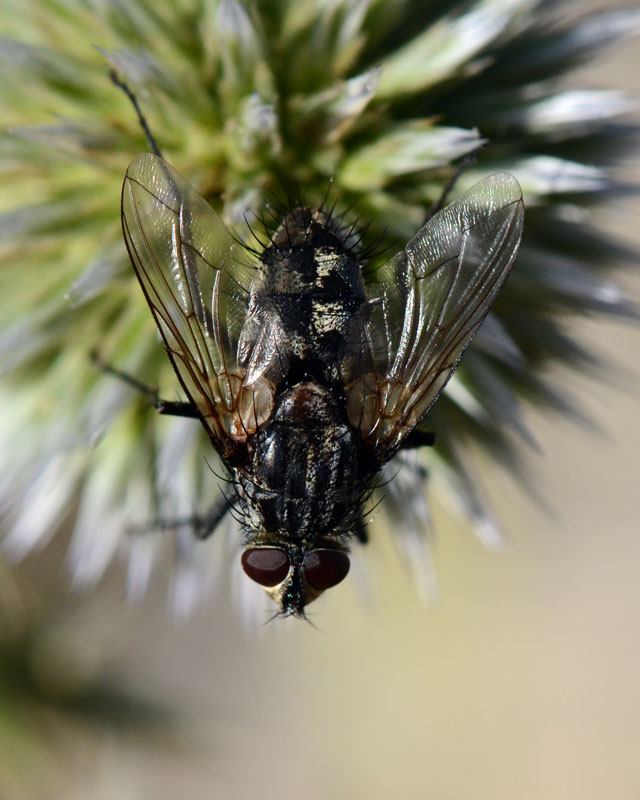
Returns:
(426,305)
(193,276)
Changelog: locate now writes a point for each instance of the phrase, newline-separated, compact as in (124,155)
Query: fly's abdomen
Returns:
(306,476)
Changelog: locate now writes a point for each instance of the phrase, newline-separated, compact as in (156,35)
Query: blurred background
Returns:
(522,681)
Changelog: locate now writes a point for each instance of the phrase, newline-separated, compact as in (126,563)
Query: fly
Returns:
(306,379)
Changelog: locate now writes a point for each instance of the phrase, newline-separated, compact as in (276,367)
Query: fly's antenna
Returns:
(121,84)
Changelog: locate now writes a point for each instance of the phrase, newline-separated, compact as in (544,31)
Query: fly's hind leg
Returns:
(418,439)
(168,407)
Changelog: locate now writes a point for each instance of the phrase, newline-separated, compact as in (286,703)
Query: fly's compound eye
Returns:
(267,566)
(325,568)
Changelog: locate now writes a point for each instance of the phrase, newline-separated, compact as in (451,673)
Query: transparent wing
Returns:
(428,302)
(196,281)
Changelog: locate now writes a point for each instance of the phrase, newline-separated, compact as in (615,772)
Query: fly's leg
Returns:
(418,439)
(117,81)
(168,407)
(163,525)
(360,531)
(203,526)
(468,161)
(217,513)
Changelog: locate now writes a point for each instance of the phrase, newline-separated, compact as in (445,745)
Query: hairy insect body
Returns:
(307,380)
(305,478)
(308,467)
(309,300)
(301,493)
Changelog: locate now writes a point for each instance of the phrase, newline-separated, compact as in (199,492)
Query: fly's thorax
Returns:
(303,226)
(310,252)
(309,287)
(307,471)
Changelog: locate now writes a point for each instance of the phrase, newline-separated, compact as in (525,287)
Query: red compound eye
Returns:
(267,566)
(325,568)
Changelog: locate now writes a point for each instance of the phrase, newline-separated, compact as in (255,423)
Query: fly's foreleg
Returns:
(217,513)
(203,527)
(360,531)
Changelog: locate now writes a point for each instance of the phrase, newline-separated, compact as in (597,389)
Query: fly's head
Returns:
(294,576)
